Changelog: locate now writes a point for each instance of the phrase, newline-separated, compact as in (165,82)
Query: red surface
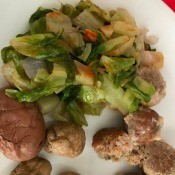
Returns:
(170,3)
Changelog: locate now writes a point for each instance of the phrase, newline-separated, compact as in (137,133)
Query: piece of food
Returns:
(144,126)
(69,173)
(153,76)
(65,139)
(134,157)
(48,103)
(109,143)
(22,128)
(80,45)
(151,58)
(37,165)
(159,159)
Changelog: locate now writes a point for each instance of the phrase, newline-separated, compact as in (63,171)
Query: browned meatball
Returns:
(65,139)
(159,159)
(144,126)
(109,143)
(22,129)
(35,166)
(153,76)
(69,173)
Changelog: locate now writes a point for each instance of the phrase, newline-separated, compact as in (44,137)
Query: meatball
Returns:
(65,139)
(153,76)
(22,129)
(69,173)
(37,165)
(159,159)
(144,126)
(109,143)
(135,156)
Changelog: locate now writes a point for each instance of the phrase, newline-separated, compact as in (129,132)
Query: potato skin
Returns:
(37,165)
(65,139)
(22,129)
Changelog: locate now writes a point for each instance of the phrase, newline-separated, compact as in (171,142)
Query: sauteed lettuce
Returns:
(87,56)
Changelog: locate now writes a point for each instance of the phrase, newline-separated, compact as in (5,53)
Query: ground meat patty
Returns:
(144,126)
(69,173)
(109,143)
(35,166)
(65,139)
(153,76)
(22,129)
(159,159)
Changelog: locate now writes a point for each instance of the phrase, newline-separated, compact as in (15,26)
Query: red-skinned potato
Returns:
(22,128)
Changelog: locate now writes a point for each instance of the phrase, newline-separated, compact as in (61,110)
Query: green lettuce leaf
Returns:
(120,69)
(76,113)
(92,108)
(141,89)
(41,12)
(118,98)
(46,46)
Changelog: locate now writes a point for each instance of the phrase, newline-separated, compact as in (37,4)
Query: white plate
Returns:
(155,16)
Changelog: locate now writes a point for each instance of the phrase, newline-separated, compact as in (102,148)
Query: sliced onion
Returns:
(32,65)
(151,40)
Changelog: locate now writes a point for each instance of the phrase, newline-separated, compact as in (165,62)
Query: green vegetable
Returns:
(57,21)
(119,99)
(70,93)
(74,39)
(91,94)
(88,20)
(124,28)
(69,10)
(115,43)
(92,108)
(95,53)
(12,76)
(29,96)
(38,26)
(55,82)
(141,89)
(46,39)
(118,46)
(37,21)
(9,53)
(44,46)
(76,113)
(119,68)
(86,52)
(82,5)
(88,4)
(41,12)
(123,15)
(89,60)
(48,103)
(41,76)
